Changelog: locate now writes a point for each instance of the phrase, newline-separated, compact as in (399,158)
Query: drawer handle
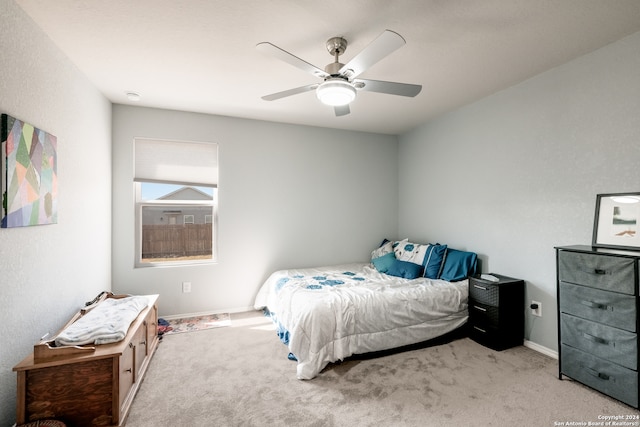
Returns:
(143,343)
(480,329)
(599,271)
(128,370)
(484,288)
(479,308)
(595,339)
(600,375)
(593,304)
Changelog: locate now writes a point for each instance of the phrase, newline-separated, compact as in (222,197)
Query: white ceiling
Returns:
(199,55)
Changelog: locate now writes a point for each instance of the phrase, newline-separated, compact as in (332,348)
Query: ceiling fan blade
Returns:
(285,56)
(383,45)
(342,110)
(391,88)
(290,92)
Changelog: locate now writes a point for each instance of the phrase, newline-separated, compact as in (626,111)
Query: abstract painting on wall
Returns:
(28,174)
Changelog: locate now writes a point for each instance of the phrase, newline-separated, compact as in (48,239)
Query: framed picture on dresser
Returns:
(616,221)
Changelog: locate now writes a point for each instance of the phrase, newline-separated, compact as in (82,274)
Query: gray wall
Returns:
(517,173)
(289,196)
(47,272)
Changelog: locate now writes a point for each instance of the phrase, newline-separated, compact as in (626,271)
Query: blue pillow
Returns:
(458,265)
(405,269)
(383,263)
(433,261)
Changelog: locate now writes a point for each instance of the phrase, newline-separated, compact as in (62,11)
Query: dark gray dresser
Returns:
(598,319)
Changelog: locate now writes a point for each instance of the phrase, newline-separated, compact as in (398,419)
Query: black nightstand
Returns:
(496,311)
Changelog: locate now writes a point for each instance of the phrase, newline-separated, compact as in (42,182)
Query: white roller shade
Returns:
(176,162)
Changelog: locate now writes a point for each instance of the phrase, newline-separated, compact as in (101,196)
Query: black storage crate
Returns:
(496,311)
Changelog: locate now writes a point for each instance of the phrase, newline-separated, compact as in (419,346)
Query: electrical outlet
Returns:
(186,287)
(537,311)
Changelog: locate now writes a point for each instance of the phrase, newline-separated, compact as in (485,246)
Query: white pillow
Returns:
(411,252)
(385,248)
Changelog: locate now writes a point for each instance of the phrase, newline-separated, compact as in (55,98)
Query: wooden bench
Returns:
(87,385)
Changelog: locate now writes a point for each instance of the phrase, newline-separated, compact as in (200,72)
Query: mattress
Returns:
(327,314)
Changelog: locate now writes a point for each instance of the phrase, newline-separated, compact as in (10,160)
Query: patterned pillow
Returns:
(410,252)
(428,257)
(386,247)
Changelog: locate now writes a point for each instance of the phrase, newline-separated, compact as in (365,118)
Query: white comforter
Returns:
(334,312)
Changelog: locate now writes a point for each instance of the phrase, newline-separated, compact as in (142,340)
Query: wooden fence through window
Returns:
(176,241)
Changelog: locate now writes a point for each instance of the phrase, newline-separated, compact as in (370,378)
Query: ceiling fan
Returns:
(340,81)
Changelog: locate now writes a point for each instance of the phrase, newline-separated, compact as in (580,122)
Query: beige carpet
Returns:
(240,376)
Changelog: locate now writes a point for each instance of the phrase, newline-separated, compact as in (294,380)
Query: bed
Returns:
(407,294)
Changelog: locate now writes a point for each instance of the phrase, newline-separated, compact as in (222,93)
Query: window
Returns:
(176,194)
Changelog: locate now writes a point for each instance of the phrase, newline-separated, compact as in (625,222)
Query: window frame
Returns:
(181,163)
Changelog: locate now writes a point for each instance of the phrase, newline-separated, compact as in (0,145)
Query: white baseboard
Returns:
(207,313)
(541,349)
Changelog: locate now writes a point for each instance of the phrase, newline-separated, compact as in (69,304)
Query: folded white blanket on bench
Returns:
(106,323)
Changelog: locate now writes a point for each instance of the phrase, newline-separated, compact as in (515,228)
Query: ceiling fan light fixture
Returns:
(336,92)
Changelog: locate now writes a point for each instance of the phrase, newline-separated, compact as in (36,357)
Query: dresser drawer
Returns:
(484,292)
(81,392)
(492,337)
(483,313)
(126,377)
(610,308)
(483,333)
(597,271)
(611,379)
(615,345)
(487,335)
